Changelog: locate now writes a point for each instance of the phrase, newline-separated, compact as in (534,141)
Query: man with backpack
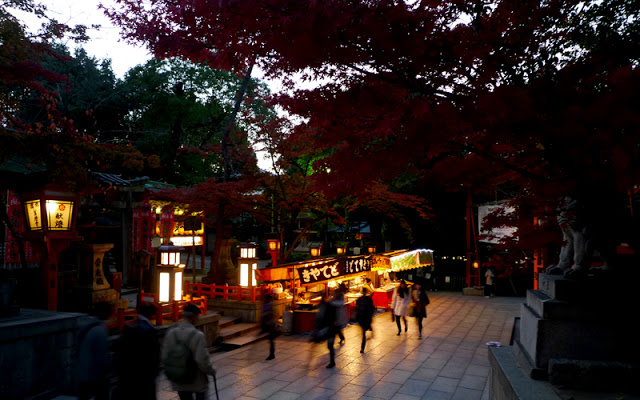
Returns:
(186,359)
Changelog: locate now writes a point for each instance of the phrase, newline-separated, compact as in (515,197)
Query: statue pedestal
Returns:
(577,334)
(93,286)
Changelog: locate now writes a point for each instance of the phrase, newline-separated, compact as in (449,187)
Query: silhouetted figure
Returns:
(364,312)
(433,278)
(338,302)
(137,357)
(420,302)
(94,357)
(268,324)
(489,276)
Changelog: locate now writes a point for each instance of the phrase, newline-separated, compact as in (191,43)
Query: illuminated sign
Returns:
(186,241)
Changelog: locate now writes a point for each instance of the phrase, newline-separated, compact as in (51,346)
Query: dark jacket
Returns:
(364,311)
(137,359)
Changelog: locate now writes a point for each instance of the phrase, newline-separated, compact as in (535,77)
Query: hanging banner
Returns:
(16,218)
(357,264)
(142,228)
(166,224)
(494,235)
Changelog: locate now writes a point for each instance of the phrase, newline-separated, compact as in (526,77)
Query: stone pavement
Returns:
(450,362)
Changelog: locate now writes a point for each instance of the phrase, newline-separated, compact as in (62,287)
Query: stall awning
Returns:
(402,260)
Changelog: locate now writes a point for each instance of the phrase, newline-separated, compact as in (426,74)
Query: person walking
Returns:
(420,302)
(186,333)
(268,324)
(488,284)
(137,357)
(337,301)
(329,324)
(94,356)
(400,305)
(433,278)
(364,312)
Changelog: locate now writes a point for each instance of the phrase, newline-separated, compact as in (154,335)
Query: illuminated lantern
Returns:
(273,248)
(371,248)
(248,263)
(273,244)
(315,249)
(50,211)
(170,274)
(341,250)
(50,221)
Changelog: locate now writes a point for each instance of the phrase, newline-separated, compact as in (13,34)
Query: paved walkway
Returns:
(450,362)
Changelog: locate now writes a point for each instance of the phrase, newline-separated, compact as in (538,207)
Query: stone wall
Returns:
(245,310)
(37,349)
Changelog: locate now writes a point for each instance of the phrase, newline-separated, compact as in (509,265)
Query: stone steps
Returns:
(235,334)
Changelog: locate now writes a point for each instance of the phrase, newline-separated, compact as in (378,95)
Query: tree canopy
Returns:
(536,96)
(32,124)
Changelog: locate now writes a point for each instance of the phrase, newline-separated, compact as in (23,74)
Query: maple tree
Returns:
(467,94)
(33,129)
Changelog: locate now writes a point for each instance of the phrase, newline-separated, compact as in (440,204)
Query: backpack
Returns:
(179,365)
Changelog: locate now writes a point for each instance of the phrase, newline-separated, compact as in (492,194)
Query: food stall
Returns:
(316,278)
(395,261)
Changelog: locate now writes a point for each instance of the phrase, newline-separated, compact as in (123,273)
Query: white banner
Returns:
(496,233)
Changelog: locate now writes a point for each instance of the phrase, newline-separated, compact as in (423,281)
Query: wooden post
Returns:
(469,216)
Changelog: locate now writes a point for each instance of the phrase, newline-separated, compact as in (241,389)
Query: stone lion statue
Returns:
(585,230)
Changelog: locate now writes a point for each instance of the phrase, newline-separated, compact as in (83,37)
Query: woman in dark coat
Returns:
(420,301)
(364,312)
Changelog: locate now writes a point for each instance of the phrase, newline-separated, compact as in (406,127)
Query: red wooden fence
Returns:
(164,311)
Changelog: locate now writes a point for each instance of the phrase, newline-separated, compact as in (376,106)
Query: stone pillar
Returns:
(93,286)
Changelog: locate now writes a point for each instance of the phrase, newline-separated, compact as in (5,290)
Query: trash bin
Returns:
(287,322)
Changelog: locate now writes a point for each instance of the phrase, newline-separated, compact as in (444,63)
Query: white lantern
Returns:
(248,263)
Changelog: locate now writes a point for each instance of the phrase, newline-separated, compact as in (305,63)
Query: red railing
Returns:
(164,311)
(226,292)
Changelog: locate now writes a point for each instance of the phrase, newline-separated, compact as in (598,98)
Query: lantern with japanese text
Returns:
(50,220)
(50,212)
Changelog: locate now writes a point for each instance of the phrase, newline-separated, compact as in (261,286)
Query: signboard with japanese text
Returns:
(357,264)
(320,271)
(380,262)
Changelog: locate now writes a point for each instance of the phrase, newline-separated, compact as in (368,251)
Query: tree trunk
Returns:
(214,275)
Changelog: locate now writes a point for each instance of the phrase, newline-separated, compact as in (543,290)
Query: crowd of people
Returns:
(138,354)
(331,318)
